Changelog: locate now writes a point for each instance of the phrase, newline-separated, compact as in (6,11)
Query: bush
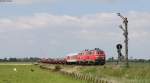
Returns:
(57,68)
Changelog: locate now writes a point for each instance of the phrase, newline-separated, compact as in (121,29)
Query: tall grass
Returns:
(136,73)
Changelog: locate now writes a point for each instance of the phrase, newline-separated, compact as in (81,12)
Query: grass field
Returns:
(25,75)
(136,73)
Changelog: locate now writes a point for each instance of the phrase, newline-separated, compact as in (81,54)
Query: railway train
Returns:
(85,57)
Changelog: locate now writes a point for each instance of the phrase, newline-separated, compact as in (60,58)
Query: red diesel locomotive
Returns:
(96,56)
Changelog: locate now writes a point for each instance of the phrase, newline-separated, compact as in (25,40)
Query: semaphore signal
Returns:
(125,30)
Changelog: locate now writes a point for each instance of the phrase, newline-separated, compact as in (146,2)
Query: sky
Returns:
(55,28)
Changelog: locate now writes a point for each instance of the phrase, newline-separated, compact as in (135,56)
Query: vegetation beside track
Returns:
(32,74)
(136,73)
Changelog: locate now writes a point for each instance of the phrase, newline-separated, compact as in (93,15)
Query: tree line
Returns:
(30,59)
(35,59)
(112,59)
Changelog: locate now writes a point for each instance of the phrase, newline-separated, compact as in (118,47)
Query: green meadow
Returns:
(28,73)
(136,73)
(31,74)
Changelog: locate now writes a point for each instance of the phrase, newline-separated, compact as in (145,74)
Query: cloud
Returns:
(47,32)
(86,26)
(110,1)
(32,1)
(25,2)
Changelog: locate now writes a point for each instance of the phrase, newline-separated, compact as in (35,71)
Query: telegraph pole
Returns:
(125,30)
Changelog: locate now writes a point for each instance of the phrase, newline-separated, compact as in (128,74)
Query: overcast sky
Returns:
(55,28)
